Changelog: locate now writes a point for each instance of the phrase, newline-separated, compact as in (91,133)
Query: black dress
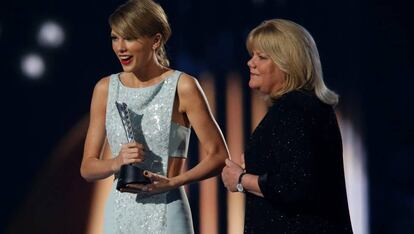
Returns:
(297,152)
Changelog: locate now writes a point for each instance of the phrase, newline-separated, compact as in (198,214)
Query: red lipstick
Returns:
(126,61)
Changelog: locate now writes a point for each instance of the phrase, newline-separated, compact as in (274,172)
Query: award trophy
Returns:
(129,174)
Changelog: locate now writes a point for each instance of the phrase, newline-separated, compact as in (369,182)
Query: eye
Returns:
(114,38)
(262,56)
(129,39)
(259,55)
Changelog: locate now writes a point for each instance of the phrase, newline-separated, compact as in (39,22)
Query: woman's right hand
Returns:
(131,152)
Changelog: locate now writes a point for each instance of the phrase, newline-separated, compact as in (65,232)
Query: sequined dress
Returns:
(297,152)
(151,112)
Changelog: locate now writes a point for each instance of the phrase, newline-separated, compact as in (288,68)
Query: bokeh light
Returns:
(33,66)
(51,34)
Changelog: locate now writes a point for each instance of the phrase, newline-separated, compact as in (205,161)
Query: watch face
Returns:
(239,187)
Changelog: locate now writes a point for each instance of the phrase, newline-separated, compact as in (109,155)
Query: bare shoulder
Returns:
(100,93)
(187,85)
(190,94)
(101,87)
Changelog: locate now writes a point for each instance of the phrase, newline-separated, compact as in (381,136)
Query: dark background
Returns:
(366,49)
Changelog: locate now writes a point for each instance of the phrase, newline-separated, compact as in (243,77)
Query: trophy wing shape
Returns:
(126,120)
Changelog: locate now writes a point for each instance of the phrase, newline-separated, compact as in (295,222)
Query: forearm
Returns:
(250,184)
(93,169)
(211,165)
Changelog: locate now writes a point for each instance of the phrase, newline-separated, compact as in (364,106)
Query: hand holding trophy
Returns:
(130,173)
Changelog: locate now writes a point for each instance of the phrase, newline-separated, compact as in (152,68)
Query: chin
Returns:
(253,85)
(127,68)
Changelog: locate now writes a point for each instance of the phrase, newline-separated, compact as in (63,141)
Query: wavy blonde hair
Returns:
(293,50)
(142,18)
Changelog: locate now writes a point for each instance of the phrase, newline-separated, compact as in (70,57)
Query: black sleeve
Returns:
(292,181)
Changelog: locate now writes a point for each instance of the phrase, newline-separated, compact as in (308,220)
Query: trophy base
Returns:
(129,174)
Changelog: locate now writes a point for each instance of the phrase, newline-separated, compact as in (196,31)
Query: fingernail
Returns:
(145,188)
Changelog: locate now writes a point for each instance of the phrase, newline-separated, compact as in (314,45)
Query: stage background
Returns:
(366,49)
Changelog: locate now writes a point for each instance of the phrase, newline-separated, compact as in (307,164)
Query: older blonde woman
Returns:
(294,178)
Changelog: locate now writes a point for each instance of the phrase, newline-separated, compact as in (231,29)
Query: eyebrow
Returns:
(259,52)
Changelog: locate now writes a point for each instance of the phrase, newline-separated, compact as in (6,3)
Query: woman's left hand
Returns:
(230,175)
(158,184)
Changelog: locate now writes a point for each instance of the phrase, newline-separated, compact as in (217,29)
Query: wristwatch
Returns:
(239,185)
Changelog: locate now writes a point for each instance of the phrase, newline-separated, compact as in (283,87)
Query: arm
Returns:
(286,136)
(230,176)
(97,161)
(194,104)
(250,182)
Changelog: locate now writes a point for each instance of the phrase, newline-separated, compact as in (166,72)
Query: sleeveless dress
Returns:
(151,112)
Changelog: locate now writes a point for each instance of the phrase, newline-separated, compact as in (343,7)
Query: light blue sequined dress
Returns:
(151,112)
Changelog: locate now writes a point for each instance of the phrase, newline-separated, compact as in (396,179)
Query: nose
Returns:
(119,46)
(250,63)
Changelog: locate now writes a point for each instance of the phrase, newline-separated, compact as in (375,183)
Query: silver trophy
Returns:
(129,174)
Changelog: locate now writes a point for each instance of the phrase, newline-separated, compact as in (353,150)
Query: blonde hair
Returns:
(293,50)
(142,18)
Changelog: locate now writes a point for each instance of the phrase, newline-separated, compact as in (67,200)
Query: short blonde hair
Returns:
(293,50)
(142,18)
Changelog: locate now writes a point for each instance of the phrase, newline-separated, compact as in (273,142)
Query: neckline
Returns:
(118,76)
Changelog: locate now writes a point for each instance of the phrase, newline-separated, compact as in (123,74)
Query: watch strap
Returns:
(241,176)
(239,185)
